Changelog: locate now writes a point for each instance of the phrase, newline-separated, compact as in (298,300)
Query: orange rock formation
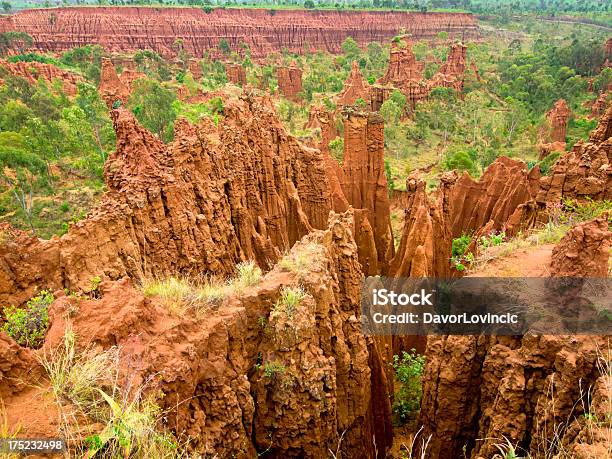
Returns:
(552,134)
(290,81)
(236,74)
(523,389)
(210,368)
(33,71)
(132,28)
(111,88)
(364,181)
(214,197)
(355,87)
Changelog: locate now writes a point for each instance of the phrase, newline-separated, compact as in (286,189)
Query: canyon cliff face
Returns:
(529,390)
(34,71)
(329,392)
(584,172)
(425,244)
(290,81)
(212,198)
(132,28)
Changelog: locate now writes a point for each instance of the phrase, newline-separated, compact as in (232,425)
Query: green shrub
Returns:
(459,258)
(461,161)
(273,368)
(547,163)
(290,299)
(28,325)
(409,372)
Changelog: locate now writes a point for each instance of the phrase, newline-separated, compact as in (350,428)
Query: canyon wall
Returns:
(264,31)
(531,391)
(215,196)
(210,371)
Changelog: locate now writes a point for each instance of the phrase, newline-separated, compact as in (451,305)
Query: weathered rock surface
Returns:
(214,197)
(552,134)
(363,179)
(33,71)
(584,172)
(236,74)
(355,87)
(599,106)
(583,251)
(425,245)
(329,383)
(403,65)
(111,87)
(133,28)
(505,185)
(532,391)
(290,81)
(452,72)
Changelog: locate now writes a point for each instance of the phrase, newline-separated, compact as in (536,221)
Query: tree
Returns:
(7,7)
(350,48)
(224,46)
(20,170)
(390,112)
(18,41)
(152,105)
(309,4)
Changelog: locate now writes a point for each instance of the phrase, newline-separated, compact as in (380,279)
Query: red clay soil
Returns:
(290,81)
(552,134)
(264,31)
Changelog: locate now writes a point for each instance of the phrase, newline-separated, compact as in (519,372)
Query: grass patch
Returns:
(85,384)
(182,294)
(301,260)
(290,299)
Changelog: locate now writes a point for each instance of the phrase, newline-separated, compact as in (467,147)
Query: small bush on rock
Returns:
(28,325)
(409,371)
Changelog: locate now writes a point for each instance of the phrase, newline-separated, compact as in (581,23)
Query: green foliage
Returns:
(273,368)
(391,112)
(389,175)
(88,59)
(152,65)
(409,372)
(492,240)
(336,149)
(290,299)
(461,259)
(152,104)
(16,41)
(547,163)
(309,4)
(28,325)
(224,46)
(462,161)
